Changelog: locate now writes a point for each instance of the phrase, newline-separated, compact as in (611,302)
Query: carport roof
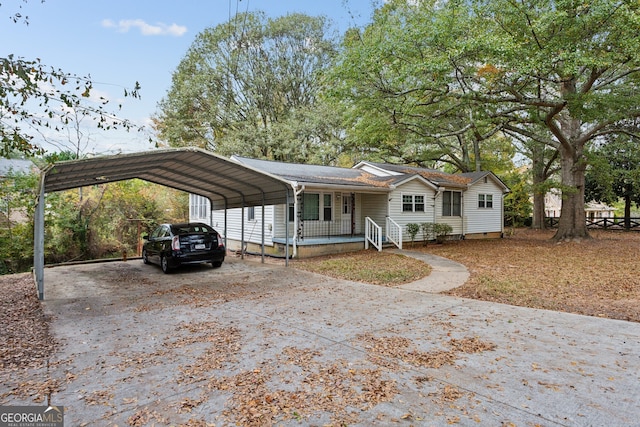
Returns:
(226,183)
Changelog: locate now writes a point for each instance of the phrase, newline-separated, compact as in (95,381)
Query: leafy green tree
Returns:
(393,83)
(560,74)
(517,203)
(614,173)
(17,197)
(250,87)
(66,228)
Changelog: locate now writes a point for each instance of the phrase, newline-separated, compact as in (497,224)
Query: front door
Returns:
(348,214)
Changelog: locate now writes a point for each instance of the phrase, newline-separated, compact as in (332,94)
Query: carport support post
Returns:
(262,239)
(38,240)
(286,231)
(242,232)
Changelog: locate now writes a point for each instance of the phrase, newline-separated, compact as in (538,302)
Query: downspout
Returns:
(464,223)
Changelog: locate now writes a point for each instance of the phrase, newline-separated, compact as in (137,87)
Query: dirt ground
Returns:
(597,277)
(261,345)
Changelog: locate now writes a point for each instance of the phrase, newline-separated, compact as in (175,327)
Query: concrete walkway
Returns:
(445,274)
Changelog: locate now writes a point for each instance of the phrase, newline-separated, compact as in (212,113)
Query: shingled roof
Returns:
(437,177)
(316,174)
(358,177)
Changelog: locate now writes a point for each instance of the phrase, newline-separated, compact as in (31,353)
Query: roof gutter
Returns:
(347,188)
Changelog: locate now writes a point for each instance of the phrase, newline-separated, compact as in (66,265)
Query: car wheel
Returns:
(145,257)
(164,264)
(216,264)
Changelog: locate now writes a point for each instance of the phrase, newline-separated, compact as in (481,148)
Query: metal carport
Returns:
(224,182)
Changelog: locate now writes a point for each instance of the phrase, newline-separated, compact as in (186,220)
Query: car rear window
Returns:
(188,229)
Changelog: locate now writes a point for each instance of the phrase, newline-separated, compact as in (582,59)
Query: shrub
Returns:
(441,231)
(427,231)
(413,229)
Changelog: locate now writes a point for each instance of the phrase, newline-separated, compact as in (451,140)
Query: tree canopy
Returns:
(250,86)
(557,73)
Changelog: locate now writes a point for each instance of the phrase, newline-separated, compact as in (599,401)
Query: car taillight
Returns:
(220,241)
(175,243)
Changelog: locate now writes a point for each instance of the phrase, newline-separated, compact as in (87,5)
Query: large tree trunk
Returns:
(627,210)
(539,178)
(538,222)
(572,223)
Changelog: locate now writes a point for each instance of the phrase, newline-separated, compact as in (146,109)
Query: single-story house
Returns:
(344,209)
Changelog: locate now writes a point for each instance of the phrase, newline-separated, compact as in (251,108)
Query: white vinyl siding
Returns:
(485,219)
(373,206)
(404,195)
(252,228)
(199,210)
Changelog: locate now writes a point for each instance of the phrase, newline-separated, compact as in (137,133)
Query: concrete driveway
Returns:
(261,344)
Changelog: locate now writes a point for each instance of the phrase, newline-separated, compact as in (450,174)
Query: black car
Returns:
(172,245)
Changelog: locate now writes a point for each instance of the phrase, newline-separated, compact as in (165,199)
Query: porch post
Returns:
(226,232)
(353,214)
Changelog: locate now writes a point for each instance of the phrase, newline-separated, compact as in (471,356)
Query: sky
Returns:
(119,42)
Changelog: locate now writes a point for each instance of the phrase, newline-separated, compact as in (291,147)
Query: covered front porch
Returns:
(374,235)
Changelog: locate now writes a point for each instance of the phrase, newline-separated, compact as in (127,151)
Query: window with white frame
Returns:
(327,203)
(315,207)
(251,213)
(451,203)
(413,202)
(485,201)
(199,206)
(292,212)
(310,207)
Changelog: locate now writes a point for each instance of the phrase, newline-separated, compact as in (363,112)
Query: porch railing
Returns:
(394,233)
(373,234)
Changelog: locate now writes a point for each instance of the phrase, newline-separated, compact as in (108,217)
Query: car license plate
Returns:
(200,246)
